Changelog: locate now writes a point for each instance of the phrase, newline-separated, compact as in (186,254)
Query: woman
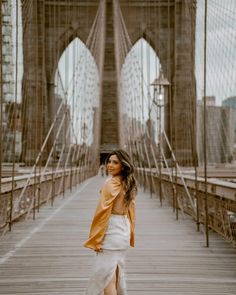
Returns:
(112,228)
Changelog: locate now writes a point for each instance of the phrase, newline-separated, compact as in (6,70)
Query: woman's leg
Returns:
(111,288)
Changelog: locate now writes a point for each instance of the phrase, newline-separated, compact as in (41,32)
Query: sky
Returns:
(221,48)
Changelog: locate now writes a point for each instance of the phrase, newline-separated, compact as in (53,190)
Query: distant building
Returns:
(64,134)
(210,101)
(220,133)
(231,102)
(12,130)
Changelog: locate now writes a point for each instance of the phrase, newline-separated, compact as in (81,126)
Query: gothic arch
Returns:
(62,44)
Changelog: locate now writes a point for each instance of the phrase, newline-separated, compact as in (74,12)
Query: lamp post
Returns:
(160,84)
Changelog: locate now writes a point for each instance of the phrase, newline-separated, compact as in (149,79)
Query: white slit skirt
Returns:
(115,245)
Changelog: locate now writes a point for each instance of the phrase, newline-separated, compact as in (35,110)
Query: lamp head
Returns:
(161,80)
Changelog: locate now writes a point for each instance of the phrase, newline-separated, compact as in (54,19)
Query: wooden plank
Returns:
(46,256)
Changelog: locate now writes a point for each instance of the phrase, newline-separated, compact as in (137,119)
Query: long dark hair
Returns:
(127,174)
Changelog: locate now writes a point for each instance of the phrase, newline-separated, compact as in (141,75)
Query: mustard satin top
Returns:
(109,193)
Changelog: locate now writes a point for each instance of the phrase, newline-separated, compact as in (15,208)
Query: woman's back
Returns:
(119,205)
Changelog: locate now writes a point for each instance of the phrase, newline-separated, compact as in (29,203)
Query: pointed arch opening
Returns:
(141,67)
(76,93)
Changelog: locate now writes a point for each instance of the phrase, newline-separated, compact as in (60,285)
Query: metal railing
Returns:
(221,200)
(41,188)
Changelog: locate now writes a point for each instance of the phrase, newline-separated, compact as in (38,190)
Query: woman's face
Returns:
(114,165)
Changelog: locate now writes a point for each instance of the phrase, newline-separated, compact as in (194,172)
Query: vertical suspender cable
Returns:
(169,102)
(194,129)
(149,139)
(42,106)
(54,11)
(1,96)
(32,35)
(143,119)
(39,109)
(37,125)
(159,115)
(205,129)
(174,142)
(66,102)
(51,9)
(169,77)
(14,123)
(139,156)
(142,106)
(73,104)
(85,93)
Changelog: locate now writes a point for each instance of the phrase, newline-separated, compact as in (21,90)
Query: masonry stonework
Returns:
(168,26)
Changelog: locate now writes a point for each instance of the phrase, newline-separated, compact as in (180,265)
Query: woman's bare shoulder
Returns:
(112,185)
(112,181)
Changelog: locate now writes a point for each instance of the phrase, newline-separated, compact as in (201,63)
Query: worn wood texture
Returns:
(46,256)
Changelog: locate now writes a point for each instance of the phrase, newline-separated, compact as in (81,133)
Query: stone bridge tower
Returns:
(167,25)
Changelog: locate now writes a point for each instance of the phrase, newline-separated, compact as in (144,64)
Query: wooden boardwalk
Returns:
(46,256)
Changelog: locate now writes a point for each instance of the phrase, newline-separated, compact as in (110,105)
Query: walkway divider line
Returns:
(37,228)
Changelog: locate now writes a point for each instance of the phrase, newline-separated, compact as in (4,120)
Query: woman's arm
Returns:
(131,216)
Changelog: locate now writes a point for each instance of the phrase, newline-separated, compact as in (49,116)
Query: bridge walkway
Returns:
(46,256)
